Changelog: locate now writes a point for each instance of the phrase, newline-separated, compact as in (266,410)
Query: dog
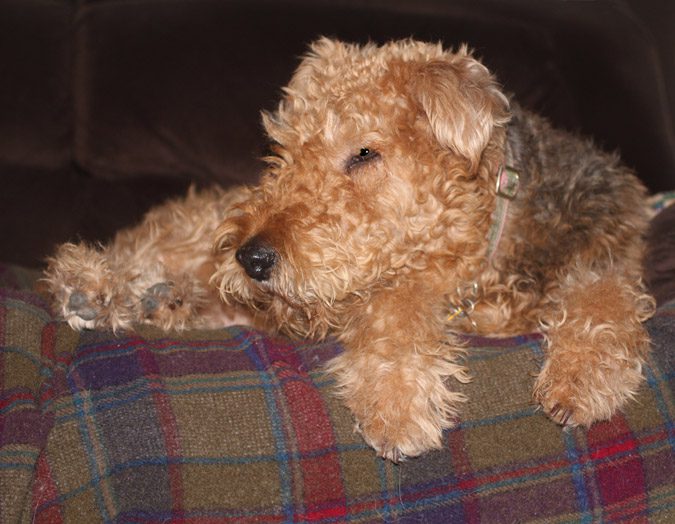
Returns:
(407,199)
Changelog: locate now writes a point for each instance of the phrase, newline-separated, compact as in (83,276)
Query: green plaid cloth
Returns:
(236,426)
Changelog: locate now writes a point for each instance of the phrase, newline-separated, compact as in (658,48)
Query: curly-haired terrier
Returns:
(406,199)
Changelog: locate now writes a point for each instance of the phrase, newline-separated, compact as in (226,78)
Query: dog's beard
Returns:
(285,303)
(318,271)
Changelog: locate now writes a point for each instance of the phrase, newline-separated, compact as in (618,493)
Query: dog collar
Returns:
(506,189)
(507,185)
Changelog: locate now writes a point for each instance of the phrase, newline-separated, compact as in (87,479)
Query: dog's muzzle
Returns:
(257,258)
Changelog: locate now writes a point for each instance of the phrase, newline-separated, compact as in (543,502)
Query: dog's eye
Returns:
(365,155)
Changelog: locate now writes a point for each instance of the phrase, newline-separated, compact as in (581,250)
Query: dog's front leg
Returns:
(393,373)
(596,346)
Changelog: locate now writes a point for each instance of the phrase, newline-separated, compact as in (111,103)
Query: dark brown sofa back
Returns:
(108,106)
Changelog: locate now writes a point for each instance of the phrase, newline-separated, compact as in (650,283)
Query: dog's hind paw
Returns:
(171,304)
(84,291)
(158,295)
(79,305)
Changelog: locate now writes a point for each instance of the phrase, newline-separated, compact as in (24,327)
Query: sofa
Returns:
(108,107)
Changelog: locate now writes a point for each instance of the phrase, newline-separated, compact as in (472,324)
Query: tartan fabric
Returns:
(236,426)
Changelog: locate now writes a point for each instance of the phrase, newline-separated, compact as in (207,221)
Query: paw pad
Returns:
(157,295)
(79,305)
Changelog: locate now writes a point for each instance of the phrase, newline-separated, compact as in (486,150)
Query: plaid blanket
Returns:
(237,426)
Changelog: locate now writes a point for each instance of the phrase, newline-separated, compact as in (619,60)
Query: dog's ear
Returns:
(462,102)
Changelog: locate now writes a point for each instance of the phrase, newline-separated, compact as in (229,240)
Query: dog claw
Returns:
(566,418)
(560,415)
(394,455)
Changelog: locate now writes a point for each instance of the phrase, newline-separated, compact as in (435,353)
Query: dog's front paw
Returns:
(401,437)
(84,290)
(401,407)
(574,394)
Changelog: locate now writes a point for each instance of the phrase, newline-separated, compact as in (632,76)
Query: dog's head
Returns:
(381,166)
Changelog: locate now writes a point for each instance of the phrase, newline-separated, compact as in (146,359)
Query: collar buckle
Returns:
(508,182)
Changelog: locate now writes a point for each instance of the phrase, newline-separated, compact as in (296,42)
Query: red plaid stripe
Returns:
(619,472)
(46,491)
(323,492)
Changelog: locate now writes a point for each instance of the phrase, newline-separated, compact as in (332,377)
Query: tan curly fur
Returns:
(372,221)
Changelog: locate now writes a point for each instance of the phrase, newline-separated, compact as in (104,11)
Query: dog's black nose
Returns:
(257,258)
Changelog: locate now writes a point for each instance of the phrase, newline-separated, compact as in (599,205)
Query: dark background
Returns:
(110,106)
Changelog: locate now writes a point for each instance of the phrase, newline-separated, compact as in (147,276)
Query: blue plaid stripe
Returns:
(274,403)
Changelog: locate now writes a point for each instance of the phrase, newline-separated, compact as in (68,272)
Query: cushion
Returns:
(175,88)
(237,425)
(660,253)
